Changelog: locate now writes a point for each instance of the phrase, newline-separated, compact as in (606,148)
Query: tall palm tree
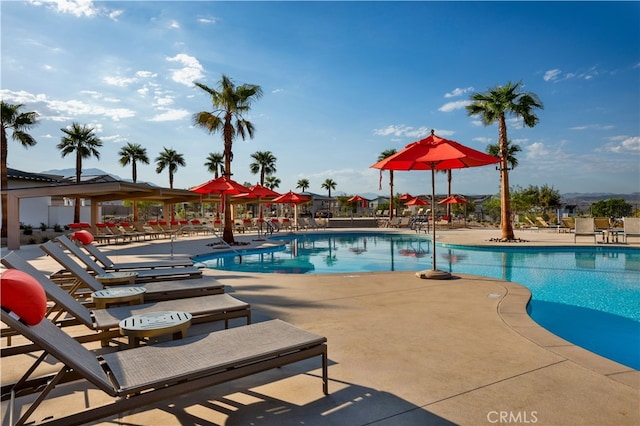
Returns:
(384,154)
(215,164)
(132,153)
(264,163)
(493,106)
(230,103)
(82,141)
(329,184)
(512,150)
(303,184)
(169,159)
(19,122)
(272,182)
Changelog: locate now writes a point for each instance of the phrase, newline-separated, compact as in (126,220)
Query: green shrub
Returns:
(27,229)
(43,226)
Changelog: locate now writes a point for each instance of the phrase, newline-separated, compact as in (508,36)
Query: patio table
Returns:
(155,324)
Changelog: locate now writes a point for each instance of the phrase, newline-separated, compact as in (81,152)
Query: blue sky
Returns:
(342,82)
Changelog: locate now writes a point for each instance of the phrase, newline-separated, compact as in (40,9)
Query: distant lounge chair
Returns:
(218,307)
(631,227)
(146,375)
(585,227)
(531,225)
(142,275)
(109,265)
(601,224)
(543,222)
(568,223)
(162,290)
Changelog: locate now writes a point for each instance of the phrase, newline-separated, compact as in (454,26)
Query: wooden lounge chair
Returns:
(160,290)
(149,374)
(568,223)
(141,275)
(585,227)
(631,227)
(67,310)
(110,265)
(543,222)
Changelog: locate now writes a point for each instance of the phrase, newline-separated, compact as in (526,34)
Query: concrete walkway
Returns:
(402,351)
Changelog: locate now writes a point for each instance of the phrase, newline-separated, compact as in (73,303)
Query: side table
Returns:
(155,324)
(116,278)
(110,296)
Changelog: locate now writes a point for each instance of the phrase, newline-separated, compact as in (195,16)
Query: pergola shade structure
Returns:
(96,192)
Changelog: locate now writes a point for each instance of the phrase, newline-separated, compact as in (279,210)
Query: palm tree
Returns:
(384,154)
(493,106)
(169,159)
(265,164)
(132,153)
(303,184)
(512,150)
(329,184)
(272,182)
(19,123)
(215,164)
(84,143)
(230,103)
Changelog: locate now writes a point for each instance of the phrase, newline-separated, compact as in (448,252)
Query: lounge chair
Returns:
(141,275)
(631,227)
(585,227)
(109,265)
(568,223)
(530,224)
(543,222)
(217,307)
(146,375)
(161,290)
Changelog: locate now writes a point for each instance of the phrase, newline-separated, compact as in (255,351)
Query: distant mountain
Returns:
(85,172)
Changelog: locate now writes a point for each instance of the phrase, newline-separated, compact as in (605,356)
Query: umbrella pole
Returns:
(433,212)
(433,273)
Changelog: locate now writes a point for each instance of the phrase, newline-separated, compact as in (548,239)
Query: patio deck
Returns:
(402,351)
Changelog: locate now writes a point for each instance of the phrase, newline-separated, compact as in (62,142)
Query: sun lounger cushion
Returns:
(22,294)
(85,237)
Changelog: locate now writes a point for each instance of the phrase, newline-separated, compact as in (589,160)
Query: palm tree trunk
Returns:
(227,233)
(76,207)
(505,204)
(4,181)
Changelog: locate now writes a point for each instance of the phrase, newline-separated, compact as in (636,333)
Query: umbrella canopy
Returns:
(356,198)
(454,199)
(221,185)
(405,196)
(292,198)
(260,191)
(416,202)
(435,153)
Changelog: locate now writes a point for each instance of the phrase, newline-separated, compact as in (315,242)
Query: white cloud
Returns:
(192,69)
(119,81)
(207,20)
(163,100)
(593,127)
(452,106)
(537,150)
(170,114)
(174,25)
(402,131)
(624,145)
(146,74)
(78,8)
(458,92)
(551,75)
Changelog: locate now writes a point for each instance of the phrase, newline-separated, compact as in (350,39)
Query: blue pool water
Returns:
(589,296)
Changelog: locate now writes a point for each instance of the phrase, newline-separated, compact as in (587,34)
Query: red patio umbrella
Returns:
(258,192)
(292,198)
(223,186)
(405,196)
(435,153)
(356,198)
(416,202)
(454,199)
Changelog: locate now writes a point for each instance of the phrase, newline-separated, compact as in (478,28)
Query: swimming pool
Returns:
(589,296)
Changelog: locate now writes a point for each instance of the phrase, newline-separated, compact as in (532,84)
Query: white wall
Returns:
(63,215)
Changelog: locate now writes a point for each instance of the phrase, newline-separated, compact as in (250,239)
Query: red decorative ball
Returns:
(23,295)
(85,237)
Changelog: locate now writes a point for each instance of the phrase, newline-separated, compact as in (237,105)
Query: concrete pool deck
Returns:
(402,351)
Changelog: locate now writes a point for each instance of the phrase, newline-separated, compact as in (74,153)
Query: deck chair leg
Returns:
(325,373)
